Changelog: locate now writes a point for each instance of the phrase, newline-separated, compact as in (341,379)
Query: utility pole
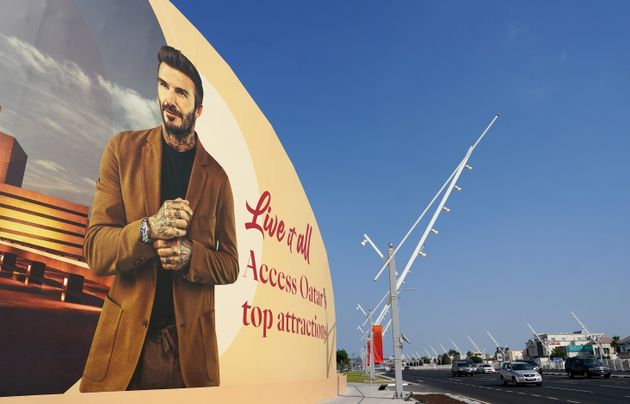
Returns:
(429,356)
(590,336)
(370,347)
(474,344)
(461,353)
(544,345)
(396,341)
(496,343)
(395,283)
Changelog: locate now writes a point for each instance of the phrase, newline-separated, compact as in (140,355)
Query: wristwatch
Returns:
(144,231)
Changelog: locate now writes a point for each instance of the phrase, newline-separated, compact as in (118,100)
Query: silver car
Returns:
(519,373)
(485,368)
(463,368)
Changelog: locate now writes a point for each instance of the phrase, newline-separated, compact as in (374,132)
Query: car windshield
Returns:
(462,364)
(521,366)
(593,362)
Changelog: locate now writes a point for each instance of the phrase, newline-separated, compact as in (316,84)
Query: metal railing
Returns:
(621,365)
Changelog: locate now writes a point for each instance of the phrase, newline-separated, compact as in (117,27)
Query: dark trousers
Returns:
(158,367)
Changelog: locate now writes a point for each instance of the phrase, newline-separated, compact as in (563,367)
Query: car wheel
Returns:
(589,375)
(504,381)
(571,374)
(539,384)
(514,381)
(607,376)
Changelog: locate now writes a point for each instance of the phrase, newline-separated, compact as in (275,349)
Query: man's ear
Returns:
(198,111)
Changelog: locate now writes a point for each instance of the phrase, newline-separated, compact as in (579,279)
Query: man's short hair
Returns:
(174,58)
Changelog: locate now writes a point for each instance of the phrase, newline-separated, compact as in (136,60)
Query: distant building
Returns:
(573,344)
(12,161)
(508,355)
(624,347)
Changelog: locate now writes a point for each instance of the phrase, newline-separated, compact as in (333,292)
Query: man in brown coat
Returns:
(162,224)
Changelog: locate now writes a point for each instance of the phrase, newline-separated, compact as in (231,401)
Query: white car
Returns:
(519,373)
(485,368)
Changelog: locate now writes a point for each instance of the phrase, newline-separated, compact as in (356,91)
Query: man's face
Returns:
(176,94)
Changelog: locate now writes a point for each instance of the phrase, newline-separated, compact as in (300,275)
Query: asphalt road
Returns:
(555,388)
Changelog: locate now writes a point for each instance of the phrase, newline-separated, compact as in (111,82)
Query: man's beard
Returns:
(179,131)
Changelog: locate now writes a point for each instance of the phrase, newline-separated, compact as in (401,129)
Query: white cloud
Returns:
(50,165)
(54,125)
(64,70)
(135,110)
(63,117)
(51,179)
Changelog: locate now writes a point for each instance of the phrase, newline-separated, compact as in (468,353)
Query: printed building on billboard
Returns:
(12,160)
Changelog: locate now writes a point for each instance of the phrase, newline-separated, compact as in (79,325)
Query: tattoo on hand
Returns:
(171,220)
(174,254)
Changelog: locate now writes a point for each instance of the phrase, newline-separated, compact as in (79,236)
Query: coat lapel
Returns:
(198,176)
(151,171)
(151,177)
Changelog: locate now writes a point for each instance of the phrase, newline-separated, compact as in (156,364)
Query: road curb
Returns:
(459,397)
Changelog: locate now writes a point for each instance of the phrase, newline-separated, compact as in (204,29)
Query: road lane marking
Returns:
(536,395)
(565,388)
(571,401)
(553,398)
(613,387)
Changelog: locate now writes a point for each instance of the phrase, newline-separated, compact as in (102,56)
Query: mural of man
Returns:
(162,223)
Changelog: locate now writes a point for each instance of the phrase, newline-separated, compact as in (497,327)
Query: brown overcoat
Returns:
(127,190)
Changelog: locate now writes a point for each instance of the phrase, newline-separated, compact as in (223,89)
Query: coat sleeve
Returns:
(218,266)
(112,246)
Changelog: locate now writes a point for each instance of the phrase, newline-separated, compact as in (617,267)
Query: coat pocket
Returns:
(204,230)
(209,336)
(104,341)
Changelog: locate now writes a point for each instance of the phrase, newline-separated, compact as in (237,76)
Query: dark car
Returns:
(588,367)
(463,368)
(533,364)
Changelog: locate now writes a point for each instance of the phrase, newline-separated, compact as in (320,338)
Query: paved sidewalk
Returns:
(365,394)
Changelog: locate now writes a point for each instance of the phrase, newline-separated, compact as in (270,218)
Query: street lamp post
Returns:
(396,283)
(590,336)
(370,348)
(537,336)
(461,354)
(396,340)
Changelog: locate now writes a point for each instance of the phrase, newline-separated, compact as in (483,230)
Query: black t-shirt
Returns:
(174,179)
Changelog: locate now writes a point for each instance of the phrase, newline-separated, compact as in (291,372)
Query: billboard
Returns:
(200,242)
(579,348)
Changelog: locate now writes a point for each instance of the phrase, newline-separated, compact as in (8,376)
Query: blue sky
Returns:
(375,104)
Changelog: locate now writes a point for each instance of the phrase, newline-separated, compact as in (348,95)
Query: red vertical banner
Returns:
(369,352)
(377,335)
